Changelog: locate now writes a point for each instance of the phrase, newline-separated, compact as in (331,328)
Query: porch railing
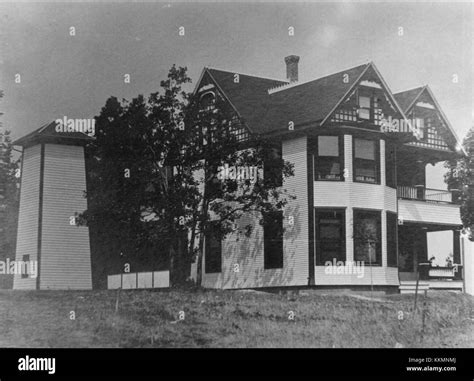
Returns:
(424,194)
(428,272)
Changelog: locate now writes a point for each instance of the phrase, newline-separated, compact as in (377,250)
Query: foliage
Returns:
(460,176)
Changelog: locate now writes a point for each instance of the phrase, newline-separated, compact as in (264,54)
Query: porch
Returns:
(438,267)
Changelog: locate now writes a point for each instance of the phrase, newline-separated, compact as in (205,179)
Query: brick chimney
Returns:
(292,68)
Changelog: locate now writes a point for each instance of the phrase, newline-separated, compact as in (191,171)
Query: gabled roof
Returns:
(48,133)
(310,101)
(409,97)
(249,96)
(406,98)
(268,105)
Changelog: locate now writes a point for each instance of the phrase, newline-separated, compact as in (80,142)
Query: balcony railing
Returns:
(428,272)
(424,194)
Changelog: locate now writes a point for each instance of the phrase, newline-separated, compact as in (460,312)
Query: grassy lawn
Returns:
(232,319)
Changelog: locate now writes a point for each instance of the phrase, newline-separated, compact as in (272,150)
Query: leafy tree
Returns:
(9,201)
(173,147)
(221,202)
(460,176)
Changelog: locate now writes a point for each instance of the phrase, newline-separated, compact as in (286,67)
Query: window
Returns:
(366,161)
(420,127)
(273,240)
(25,267)
(330,235)
(369,108)
(329,160)
(390,170)
(208,101)
(367,237)
(392,252)
(364,107)
(214,184)
(272,168)
(213,258)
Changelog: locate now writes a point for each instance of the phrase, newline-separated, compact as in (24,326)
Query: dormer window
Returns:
(364,107)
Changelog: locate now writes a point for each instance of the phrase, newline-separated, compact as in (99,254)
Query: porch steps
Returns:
(409,286)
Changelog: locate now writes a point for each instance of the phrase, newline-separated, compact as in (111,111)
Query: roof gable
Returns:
(418,102)
(406,98)
(371,84)
(308,102)
(247,94)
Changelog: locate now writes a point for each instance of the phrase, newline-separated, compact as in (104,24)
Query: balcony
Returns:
(424,194)
(425,205)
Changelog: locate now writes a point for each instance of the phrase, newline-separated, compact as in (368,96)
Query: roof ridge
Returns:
(296,83)
(410,89)
(241,73)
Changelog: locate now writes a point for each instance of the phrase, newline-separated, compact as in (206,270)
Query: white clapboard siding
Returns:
(422,211)
(246,254)
(65,253)
(381,276)
(27,238)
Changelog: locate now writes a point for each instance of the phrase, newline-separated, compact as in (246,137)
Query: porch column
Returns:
(457,247)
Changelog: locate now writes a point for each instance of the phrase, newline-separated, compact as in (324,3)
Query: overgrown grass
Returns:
(232,319)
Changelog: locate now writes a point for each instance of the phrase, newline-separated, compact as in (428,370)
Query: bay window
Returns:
(367,237)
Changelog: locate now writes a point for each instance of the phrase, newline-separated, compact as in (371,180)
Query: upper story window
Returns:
(420,127)
(366,161)
(329,158)
(369,108)
(208,100)
(272,167)
(364,107)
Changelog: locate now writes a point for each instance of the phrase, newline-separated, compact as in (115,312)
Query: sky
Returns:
(74,75)
(65,75)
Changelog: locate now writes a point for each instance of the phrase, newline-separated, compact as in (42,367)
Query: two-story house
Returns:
(362,211)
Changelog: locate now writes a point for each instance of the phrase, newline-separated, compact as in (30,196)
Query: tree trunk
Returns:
(179,263)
